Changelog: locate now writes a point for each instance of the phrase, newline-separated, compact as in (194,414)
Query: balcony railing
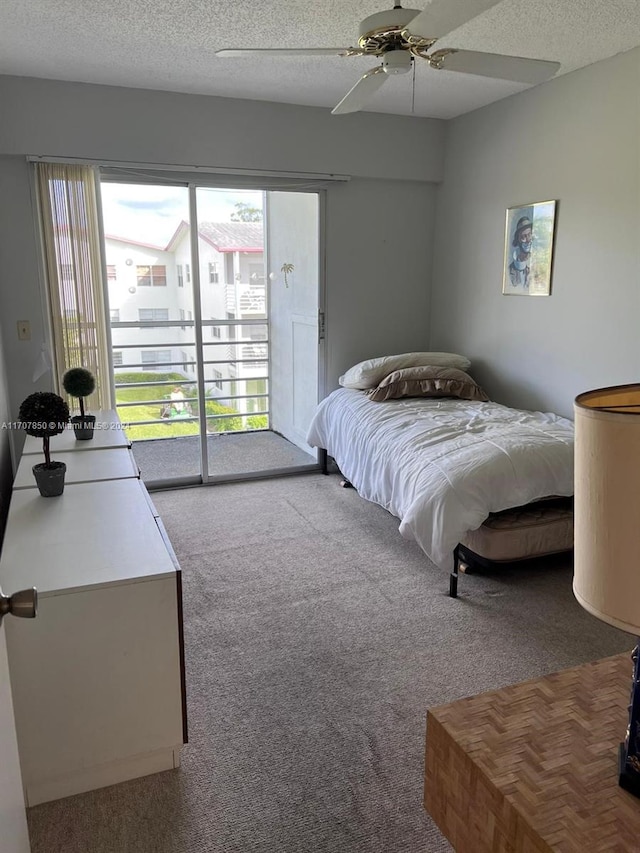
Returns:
(241,298)
(159,398)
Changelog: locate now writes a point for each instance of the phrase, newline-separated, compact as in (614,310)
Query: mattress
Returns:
(523,532)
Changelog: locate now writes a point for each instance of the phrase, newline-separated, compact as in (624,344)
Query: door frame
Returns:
(13,814)
(214,181)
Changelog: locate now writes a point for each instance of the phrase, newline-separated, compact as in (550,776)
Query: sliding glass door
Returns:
(214,327)
(151,311)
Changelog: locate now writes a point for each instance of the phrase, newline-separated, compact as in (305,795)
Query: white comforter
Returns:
(442,465)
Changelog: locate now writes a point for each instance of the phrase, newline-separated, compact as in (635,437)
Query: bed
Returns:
(449,467)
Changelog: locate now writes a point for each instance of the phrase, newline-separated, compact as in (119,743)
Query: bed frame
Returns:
(538,529)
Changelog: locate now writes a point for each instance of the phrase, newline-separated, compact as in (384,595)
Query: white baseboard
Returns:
(102,775)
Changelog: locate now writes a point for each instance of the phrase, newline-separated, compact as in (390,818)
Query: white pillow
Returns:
(369,373)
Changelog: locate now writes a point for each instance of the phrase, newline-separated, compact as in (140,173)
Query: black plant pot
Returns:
(83,427)
(50,480)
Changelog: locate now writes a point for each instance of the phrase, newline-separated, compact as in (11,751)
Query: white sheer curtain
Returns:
(69,212)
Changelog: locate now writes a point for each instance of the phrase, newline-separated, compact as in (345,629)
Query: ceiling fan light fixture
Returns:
(397,62)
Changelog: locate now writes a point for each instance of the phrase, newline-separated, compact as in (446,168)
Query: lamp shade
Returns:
(607,505)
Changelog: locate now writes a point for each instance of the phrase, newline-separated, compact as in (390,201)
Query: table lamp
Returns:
(607,531)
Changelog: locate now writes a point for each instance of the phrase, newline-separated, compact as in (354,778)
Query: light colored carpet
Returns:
(316,639)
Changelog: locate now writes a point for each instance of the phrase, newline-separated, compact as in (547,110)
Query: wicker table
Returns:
(533,767)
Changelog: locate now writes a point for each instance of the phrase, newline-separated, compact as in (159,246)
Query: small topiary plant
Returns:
(44,414)
(79,382)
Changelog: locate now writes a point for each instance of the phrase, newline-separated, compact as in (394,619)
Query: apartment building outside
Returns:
(150,286)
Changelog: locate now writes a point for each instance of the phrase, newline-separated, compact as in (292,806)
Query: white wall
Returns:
(379,248)
(378,225)
(575,139)
(77,119)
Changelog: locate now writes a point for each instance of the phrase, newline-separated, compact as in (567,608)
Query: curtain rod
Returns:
(205,170)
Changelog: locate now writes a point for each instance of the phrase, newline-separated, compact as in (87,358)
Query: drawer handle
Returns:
(23,603)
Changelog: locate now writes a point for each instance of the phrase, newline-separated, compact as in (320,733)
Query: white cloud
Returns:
(151,213)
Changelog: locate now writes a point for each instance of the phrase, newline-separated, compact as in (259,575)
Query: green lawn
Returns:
(175,425)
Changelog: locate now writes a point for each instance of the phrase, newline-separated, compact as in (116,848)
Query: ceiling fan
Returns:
(399,35)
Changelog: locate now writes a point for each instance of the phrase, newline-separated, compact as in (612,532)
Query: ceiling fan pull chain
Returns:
(413,90)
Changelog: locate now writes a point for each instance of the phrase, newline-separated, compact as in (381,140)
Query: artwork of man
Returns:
(520,265)
(528,249)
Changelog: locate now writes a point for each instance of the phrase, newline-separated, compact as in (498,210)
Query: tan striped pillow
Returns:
(429,381)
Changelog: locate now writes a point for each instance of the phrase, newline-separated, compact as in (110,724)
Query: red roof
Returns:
(223,236)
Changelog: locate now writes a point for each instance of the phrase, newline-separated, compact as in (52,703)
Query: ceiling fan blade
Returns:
(515,68)
(288,51)
(362,92)
(443,16)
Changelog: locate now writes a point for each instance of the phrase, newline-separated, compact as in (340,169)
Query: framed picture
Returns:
(528,249)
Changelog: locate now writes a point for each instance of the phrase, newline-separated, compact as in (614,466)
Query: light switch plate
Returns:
(24,330)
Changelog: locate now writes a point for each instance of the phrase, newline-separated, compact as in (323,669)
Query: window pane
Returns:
(155,356)
(146,315)
(144,276)
(159,276)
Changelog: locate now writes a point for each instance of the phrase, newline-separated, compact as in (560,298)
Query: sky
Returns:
(151,214)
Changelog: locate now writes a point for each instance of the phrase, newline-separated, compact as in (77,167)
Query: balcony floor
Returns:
(241,453)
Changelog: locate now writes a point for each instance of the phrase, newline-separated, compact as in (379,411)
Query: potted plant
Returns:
(79,382)
(45,414)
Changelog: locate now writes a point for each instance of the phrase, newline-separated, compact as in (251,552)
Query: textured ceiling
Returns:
(170,44)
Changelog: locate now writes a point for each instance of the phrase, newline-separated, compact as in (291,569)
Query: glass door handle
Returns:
(23,603)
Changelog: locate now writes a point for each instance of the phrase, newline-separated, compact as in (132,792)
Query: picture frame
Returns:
(528,249)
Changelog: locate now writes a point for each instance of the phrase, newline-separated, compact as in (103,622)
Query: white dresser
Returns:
(98,676)
(108,464)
